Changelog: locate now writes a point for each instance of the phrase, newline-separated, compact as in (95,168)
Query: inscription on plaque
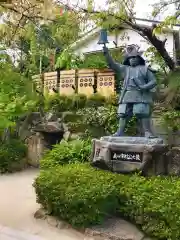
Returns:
(126,156)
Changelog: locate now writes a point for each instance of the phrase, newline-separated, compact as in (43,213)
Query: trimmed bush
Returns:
(153,204)
(84,196)
(67,152)
(12,156)
(78,193)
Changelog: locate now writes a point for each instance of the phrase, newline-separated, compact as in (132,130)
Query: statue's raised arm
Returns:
(117,67)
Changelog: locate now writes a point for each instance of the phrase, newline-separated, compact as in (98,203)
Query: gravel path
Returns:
(17,207)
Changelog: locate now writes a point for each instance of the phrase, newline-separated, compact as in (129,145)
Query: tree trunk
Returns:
(160,47)
(148,34)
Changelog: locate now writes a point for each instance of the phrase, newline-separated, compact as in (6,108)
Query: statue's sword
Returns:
(137,85)
(124,89)
(122,95)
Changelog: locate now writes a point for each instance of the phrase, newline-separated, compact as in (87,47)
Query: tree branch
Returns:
(163,5)
(145,32)
(10,8)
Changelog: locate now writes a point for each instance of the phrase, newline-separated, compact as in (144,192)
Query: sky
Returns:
(143,8)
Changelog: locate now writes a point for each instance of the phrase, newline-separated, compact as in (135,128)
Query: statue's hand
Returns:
(143,88)
(105,49)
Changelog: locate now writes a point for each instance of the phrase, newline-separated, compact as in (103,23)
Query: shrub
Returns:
(100,121)
(77,193)
(84,196)
(170,120)
(79,101)
(67,152)
(96,100)
(12,156)
(112,100)
(153,204)
(94,61)
(58,103)
(63,103)
(103,120)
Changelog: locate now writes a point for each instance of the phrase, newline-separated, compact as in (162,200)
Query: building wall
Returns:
(91,44)
(125,37)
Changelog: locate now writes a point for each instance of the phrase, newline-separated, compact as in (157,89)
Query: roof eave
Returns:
(95,30)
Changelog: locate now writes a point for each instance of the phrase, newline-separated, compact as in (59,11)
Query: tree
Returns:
(44,15)
(16,97)
(121,12)
(36,30)
(118,12)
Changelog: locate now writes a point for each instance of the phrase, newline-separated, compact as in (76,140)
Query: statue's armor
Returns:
(142,76)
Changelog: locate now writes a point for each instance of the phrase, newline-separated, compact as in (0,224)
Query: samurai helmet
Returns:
(133,51)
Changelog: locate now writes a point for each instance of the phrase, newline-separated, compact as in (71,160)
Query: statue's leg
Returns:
(139,128)
(142,111)
(146,124)
(122,126)
(124,114)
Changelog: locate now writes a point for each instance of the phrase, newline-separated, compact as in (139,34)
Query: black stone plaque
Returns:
(127,156)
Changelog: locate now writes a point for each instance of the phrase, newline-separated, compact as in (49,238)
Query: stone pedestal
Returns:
(174,161)
(130,154)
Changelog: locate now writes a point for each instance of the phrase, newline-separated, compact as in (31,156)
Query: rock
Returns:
(129,154)
(75,136)
(52,221)
(112,229)
(89,238)
(18,166)
(36,148)
(50,127)
(50,117)
(40,214)
(65,127)
(62,225)
(66,135)
(116,229)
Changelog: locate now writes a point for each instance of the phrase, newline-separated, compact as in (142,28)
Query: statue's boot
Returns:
(147,128)
(121,129)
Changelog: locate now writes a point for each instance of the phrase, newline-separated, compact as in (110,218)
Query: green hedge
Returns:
(83,196)
(154,204)
(67,152)
(12,156)
(77,193)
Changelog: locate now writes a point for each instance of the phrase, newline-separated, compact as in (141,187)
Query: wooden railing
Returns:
(84,81)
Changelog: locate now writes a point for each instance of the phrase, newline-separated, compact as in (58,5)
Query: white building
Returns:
(88,42)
